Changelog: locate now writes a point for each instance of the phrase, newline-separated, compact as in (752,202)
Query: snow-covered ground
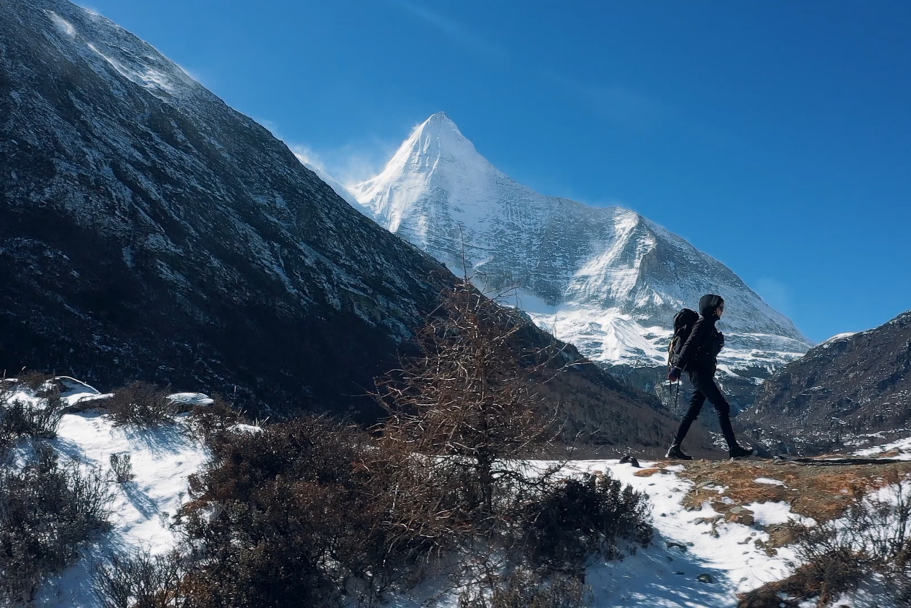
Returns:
(902,447)
(667,573)
(691,562)
(161,459)
(695,560)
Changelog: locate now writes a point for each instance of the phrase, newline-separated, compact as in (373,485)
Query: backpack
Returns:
(683,325)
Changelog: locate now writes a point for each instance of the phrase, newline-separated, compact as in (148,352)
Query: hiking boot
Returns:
(675,452)
(739,452)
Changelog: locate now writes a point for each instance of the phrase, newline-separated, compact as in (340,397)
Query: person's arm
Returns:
(701,331)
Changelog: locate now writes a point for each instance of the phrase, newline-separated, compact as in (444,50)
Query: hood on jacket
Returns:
(708,303)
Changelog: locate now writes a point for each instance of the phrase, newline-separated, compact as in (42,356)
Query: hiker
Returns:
(698,358)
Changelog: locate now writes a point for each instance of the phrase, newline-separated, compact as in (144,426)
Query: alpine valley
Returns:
(151,232)
(605,279)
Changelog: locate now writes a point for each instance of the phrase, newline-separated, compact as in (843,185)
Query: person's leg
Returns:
(696,402)
(707,385)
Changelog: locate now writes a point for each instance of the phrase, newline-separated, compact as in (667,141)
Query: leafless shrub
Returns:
(469,404)
(874,536)
(141,580)
(140,404)
(121,467)
(37,415)
(524,588)
(47,511)
(462,416)
(34,380)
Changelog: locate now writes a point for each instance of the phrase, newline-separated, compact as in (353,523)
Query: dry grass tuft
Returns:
(647,472)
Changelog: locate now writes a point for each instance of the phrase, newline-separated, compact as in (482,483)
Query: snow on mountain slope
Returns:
(605,279)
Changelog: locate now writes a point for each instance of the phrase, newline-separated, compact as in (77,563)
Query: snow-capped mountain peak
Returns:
(604,278)
(439,139)
(435,157)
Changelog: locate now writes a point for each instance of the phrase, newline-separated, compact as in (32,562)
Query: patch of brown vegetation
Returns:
(647,472)
(821,582)
(822,493)
(782,594)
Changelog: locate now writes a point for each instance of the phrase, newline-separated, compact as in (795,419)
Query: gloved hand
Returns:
(674,374)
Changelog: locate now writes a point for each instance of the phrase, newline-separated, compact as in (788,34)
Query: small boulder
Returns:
(705,577)
(741,515)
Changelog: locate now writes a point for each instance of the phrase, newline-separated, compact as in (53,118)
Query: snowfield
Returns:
(898,450)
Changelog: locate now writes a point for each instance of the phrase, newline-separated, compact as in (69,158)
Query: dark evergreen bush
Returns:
(574,519)
(210,423)
(294,516)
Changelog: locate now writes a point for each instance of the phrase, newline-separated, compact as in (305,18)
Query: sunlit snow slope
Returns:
(603,278)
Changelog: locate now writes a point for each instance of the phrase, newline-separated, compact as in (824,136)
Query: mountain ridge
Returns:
(849,389)
(153,232)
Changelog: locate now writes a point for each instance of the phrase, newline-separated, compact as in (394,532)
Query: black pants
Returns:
(704,387)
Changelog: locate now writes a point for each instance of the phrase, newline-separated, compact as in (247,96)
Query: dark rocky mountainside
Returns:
(849,385)
(151,232)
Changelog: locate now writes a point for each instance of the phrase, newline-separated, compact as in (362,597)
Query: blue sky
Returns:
(775,136)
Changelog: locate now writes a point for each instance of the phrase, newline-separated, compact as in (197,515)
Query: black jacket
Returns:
(701,349)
